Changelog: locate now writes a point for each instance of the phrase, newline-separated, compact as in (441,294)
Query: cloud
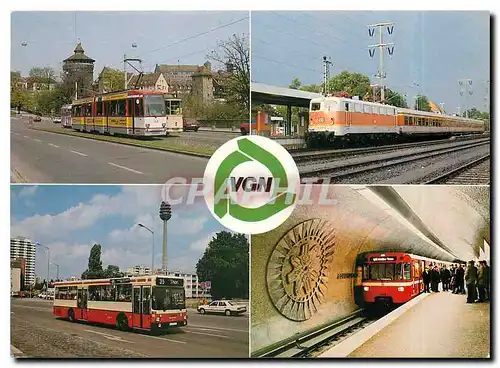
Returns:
(28,191)
(202,243)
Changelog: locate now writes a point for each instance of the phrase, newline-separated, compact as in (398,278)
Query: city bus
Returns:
(174,114)
(66,116)
(132,113)
(146,303)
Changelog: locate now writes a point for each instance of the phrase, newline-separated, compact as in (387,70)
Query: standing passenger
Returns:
(435,278)
(460,279)
(486,280)
(470,281)
(480,282)
(426,276)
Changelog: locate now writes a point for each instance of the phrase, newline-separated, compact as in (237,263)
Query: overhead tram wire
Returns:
(286,64)
(327,24)
(189,38)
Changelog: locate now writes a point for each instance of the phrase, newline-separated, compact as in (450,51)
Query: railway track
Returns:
(476,172)
(335,172)
(313,342)
(336,153)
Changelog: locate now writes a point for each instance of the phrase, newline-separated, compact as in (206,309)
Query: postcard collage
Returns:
(250,185)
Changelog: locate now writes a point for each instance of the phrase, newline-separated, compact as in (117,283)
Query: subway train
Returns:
(339,119)
(390,278)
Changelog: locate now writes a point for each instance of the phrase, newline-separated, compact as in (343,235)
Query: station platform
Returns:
(437,325)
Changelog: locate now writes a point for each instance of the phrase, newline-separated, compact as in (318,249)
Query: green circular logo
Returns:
(251,184)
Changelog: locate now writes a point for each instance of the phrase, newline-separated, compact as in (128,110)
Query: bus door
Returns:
(137,307)
(348,113)
(141,307)
(81,303)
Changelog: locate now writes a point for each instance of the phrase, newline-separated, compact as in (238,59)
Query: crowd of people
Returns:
(473,280)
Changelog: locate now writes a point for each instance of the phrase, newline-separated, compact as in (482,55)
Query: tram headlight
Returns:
(401,288)
(158,319)
(366,288)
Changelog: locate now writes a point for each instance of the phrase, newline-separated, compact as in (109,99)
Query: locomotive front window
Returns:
(315,106)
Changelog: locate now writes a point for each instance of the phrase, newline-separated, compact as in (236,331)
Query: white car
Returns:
(56,120)
(222,306)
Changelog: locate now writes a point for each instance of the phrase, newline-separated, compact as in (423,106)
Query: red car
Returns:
(191,125)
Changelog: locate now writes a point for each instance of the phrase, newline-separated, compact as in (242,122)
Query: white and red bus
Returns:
(143,302)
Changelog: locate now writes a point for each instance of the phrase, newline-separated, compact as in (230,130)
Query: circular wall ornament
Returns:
(299,267)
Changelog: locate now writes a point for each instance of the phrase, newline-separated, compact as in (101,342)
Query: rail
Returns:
(444,178)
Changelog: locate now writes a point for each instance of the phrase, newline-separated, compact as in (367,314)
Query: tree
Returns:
(112,79)
(113,271)
(234,54)
(225,263)
(43,76)
(422,103)
(295,83)
(355,84)
(392,98)
(94,270)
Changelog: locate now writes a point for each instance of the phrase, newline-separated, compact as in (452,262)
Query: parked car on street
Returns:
(191,125)
(226,307)
(37,119)
(56,120)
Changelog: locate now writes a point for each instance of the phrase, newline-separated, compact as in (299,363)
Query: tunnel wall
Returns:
(351,225)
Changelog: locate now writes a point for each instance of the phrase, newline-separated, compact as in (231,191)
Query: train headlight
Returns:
(157,319)
(366,288)
(401,288)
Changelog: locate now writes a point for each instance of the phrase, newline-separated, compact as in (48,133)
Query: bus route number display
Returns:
(164,281)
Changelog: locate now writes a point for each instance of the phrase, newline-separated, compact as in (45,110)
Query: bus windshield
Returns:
(165,298)
(154,105)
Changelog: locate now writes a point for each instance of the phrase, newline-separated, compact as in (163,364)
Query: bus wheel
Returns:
(71,315)
(122,322)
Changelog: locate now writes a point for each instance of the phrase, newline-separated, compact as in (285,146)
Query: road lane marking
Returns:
(38,140)
(161,338)
(16,133)
(53,145)
(25,136)
(79,153)
(109,336)
(208,334)
(124,168)
(220,328)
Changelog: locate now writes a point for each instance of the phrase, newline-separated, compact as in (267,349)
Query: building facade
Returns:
(202,84)
(24,248)
(153,81)
(78,73)
(191,284)
(138,271)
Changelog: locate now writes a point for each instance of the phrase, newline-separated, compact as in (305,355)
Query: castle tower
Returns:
(203,87)
(78,72)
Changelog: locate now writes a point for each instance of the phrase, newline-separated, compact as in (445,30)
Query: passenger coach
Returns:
(390,277)
(134,113)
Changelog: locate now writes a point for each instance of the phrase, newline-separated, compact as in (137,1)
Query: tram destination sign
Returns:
(167,281)
(382,259)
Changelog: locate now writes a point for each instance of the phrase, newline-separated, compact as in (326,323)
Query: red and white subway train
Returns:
(340,119)
(390,277)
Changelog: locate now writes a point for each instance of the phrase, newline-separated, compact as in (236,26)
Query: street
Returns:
(43,157)
(36,333)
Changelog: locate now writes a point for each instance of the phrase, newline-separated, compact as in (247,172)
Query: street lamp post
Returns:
(57,275)
(152,247)
(48,261)
(165,215)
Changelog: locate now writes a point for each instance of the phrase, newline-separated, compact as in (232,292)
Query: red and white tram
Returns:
(390,277)
(144,302)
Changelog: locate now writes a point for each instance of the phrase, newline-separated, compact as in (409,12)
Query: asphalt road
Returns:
(43,157)
(36,333)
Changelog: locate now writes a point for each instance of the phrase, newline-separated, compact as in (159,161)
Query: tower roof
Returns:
(79,55)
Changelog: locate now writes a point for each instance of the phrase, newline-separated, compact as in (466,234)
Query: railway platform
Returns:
(437,325)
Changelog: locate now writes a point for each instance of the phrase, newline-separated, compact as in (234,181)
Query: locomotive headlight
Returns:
(366,288)
(401,288)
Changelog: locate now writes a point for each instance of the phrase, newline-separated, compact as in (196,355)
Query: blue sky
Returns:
(432,49)
(107,36)
(70,219)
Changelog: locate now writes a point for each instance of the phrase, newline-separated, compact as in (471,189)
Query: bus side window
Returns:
(99,106)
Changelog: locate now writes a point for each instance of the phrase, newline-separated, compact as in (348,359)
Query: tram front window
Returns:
(154,105)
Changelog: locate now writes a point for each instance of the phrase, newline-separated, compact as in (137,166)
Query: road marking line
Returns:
(161,338)
(38,140)
(16,133)
(79,153)
(25,136)
(208,334)
(53,145)
(220,328)
(125,168)
(109,336)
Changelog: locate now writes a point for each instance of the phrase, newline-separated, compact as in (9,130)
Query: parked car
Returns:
(245,128)
(37,119)
(226,307)
(56,120)
(191,125)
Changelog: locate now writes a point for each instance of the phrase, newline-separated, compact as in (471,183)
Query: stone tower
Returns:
(78,73)
(203,86)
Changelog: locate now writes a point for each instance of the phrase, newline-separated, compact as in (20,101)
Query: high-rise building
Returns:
(21,247)
(138,271)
